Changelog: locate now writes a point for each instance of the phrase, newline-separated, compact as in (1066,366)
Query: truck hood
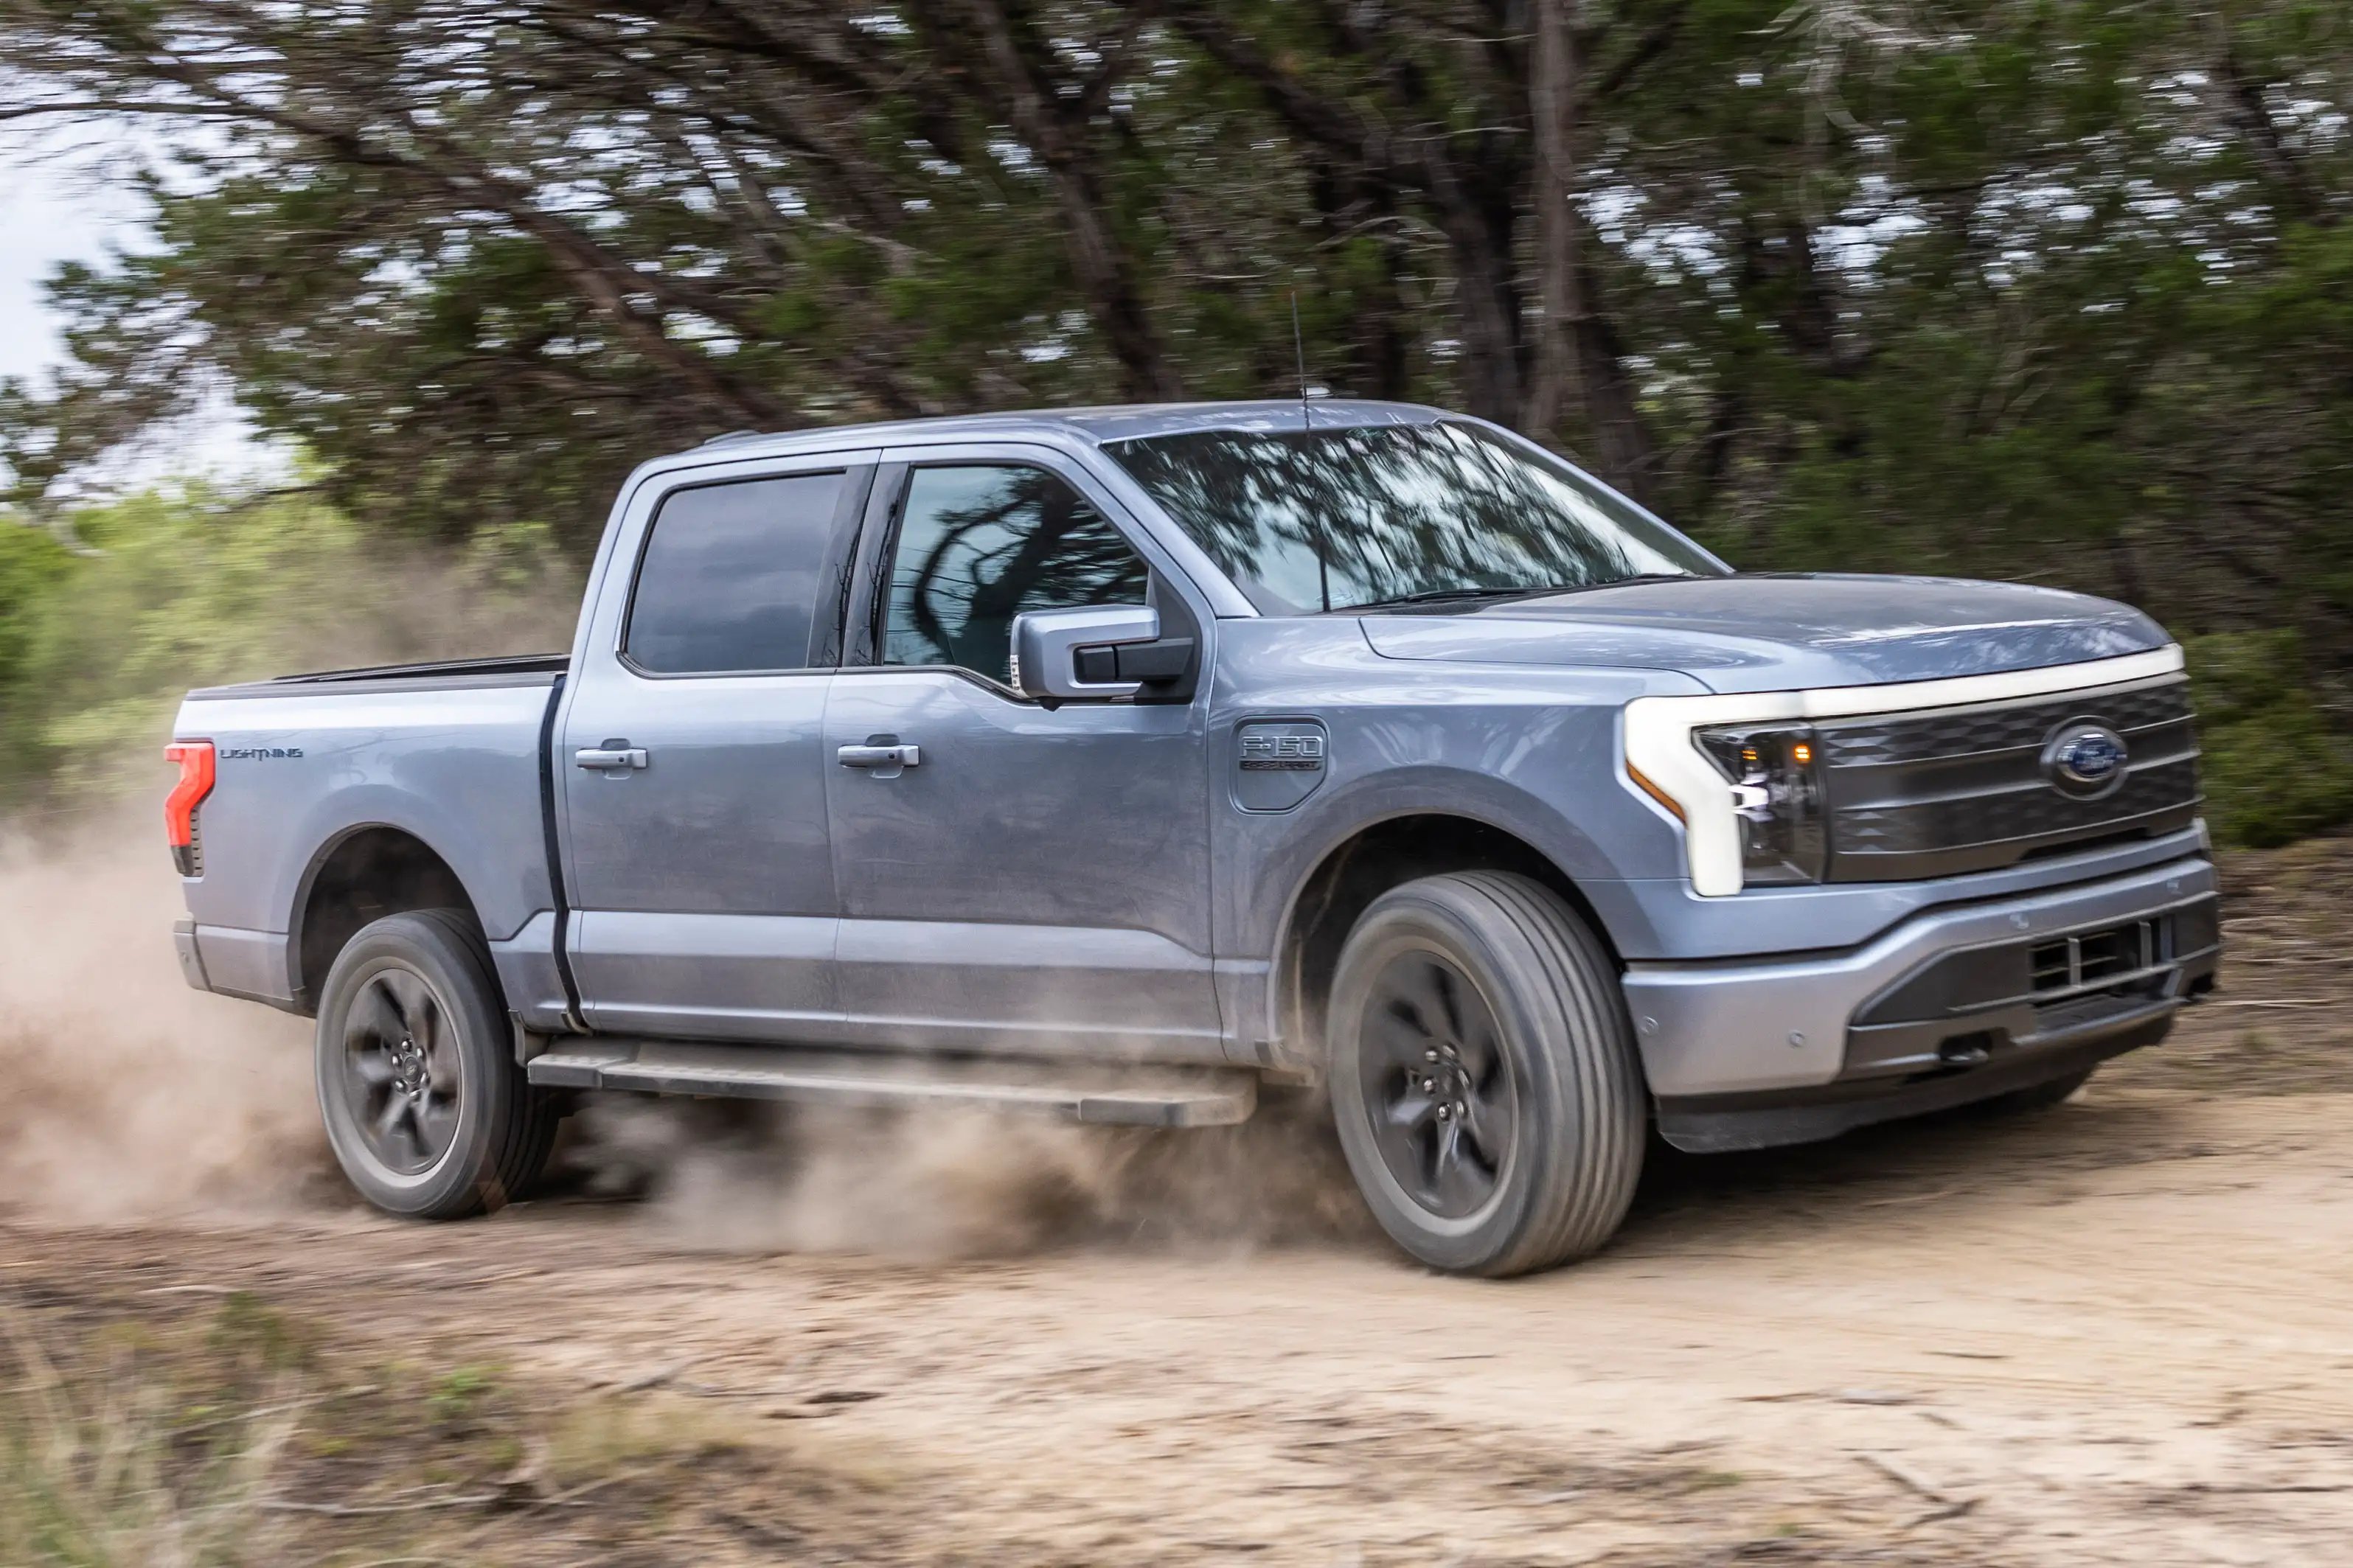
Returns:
(1779,632)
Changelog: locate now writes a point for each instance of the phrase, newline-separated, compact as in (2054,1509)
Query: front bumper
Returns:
(1952,1005)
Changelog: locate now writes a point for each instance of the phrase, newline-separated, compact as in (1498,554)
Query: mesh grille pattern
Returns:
(1935,794)
(1938,736)
(2022,813)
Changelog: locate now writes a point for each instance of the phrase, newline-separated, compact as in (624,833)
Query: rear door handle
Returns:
(873,756)
(610,758)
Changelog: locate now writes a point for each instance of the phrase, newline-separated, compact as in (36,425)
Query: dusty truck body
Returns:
(1112,764)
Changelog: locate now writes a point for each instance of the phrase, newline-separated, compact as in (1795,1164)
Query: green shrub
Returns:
(176,588)
(2277,766)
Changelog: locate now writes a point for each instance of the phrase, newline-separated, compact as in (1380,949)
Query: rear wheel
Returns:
(1484,1075)
(426,1109)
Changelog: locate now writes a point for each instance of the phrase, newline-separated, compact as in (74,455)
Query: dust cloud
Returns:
(923,1185)
(123,1094)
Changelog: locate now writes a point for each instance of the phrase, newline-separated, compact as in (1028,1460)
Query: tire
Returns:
(427,1111)
(2036,1097)
(1492,983)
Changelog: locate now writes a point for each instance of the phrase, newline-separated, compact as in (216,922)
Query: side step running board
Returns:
(1126,1097)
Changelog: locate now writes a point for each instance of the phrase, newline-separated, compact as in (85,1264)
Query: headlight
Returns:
(1776,793)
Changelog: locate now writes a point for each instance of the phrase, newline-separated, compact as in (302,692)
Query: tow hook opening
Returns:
(1972,1049)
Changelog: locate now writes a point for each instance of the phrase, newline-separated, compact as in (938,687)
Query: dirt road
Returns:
(2122,1331)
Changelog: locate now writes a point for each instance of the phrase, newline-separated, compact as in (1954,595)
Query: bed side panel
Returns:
(458,768)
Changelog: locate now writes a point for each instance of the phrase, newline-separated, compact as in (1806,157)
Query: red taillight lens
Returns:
(195,760)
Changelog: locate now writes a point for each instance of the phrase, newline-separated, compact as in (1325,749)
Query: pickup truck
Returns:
(1115,763)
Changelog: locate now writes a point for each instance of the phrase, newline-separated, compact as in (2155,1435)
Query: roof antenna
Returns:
(1307,426)
(1299,348)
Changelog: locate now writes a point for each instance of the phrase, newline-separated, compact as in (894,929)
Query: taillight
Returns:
(195,760)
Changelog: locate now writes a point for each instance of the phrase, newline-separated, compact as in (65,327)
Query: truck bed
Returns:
(453,674)
(324,775)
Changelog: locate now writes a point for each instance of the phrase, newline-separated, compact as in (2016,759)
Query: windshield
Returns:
(1305,520)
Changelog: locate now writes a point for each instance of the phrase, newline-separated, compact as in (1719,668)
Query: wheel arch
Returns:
(1381,854)
(367,871)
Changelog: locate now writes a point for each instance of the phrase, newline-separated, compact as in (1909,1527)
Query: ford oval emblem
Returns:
(2085,758)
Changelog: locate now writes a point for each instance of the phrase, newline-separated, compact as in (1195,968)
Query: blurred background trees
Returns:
(2057,292)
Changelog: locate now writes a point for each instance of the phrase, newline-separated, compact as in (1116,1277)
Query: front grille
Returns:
(2039,972)
(2096,955)
(1935,794)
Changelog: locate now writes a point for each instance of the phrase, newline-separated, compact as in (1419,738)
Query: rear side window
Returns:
(733,575)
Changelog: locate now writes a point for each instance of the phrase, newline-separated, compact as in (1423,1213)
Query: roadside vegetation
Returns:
(180,1427)
(108,617)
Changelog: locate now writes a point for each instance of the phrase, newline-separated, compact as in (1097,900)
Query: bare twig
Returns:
(357,1510)
(655,1378)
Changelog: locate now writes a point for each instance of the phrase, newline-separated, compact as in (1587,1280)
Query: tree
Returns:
(1996,286)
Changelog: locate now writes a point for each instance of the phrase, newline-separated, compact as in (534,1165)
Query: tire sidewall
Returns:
(1412,918)
(427,948)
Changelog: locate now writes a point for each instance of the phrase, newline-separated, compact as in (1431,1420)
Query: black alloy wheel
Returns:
(401,1073)
(428,1112)
(1432,1063)
(1484,1076)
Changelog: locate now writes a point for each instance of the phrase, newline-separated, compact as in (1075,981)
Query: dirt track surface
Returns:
(2120,1331)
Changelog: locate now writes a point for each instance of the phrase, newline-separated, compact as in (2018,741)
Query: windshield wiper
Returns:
(1638,577)
(1441,595)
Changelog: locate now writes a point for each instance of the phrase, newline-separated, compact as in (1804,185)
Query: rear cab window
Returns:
(741,576)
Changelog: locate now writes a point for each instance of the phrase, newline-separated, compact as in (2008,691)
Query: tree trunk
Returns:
(1577,364)
(1552,101)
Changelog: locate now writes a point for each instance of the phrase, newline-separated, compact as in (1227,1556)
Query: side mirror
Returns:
(1093,653)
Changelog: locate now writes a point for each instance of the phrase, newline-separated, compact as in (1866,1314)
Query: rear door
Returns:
(690,759)
(1029,879)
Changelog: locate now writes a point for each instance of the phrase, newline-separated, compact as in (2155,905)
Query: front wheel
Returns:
(426,1109)
(1484,1075)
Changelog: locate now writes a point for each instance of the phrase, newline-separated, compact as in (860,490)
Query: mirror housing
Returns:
(1093,653)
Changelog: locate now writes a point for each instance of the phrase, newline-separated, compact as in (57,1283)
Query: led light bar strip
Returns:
(1667,767)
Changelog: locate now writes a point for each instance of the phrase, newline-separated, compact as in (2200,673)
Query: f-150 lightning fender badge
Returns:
(259,753)
(1278,762)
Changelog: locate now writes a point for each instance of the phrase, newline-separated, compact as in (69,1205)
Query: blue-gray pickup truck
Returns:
(1113,763)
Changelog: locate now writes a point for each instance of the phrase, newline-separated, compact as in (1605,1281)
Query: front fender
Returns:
(1542,772)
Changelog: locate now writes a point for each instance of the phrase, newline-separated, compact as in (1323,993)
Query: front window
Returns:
(978,546)
(1307,520)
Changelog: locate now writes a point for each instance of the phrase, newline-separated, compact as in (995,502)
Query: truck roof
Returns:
(1111,422)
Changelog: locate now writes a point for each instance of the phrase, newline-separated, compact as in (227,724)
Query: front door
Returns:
(692,762)
(1031,880)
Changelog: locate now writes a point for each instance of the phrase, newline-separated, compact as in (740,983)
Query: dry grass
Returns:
(201,1432)
(112,1453)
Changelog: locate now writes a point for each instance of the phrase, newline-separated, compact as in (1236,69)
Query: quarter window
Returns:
(978,545)
(733,575)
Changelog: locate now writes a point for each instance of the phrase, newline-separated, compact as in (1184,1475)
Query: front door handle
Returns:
(871,755)
(610,758)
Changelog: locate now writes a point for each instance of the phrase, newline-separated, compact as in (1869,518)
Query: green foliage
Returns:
(2276,767)
(31,562)
(173,589)
(451,1403)
(251,1337)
